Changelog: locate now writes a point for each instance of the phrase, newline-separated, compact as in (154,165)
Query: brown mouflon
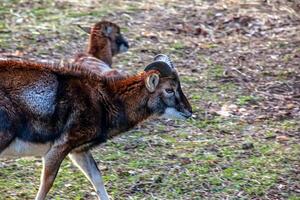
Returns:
(58,110)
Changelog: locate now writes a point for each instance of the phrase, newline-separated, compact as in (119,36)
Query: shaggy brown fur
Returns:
(62,68)
(67,109)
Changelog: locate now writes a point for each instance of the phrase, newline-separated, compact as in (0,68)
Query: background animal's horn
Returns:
(161,66)
(85,29)
(164,58)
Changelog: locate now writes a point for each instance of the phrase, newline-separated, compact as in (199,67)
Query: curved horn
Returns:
(161,66)
(85,29)
(164,58)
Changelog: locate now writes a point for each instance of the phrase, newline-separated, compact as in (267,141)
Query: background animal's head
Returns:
(106,33)
(166,97)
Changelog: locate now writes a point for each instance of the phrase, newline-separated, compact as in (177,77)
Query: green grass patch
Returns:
(244,100)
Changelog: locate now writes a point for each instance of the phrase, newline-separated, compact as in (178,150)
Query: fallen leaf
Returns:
(282,138)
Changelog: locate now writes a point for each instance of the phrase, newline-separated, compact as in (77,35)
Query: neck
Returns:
(131,97)
(100,48)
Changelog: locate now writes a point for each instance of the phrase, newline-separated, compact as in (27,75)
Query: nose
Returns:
(188,114)
(126,44)
(122,41)
(185,104)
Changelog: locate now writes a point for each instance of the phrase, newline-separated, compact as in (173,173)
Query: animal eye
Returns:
(169,91)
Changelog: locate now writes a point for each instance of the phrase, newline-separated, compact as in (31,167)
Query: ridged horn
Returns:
(164,58)
(85,29)
(164,68)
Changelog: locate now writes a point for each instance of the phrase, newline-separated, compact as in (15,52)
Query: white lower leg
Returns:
(86,163)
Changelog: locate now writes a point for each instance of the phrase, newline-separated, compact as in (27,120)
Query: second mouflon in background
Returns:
(105,41)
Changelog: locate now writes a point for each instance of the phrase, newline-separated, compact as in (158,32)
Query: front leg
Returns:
(86,163)
(51,163)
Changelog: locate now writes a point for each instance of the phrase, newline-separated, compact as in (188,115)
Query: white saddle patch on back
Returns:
(40,95)
(19,148)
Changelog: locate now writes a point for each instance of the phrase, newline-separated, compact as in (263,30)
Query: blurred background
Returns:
(239,66)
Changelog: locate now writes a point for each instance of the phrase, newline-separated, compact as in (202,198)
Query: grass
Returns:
(202,158)
(243,100)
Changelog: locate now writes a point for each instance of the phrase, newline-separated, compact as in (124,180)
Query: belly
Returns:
(19,148)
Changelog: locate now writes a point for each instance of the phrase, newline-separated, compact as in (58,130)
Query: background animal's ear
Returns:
(107,30)
(85,29)
(151,82)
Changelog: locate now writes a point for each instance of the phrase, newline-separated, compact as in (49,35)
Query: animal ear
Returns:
(151,82)
(85,29)
(107,30)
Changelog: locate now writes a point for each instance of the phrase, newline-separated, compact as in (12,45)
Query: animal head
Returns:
(166,97)
(109,31)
